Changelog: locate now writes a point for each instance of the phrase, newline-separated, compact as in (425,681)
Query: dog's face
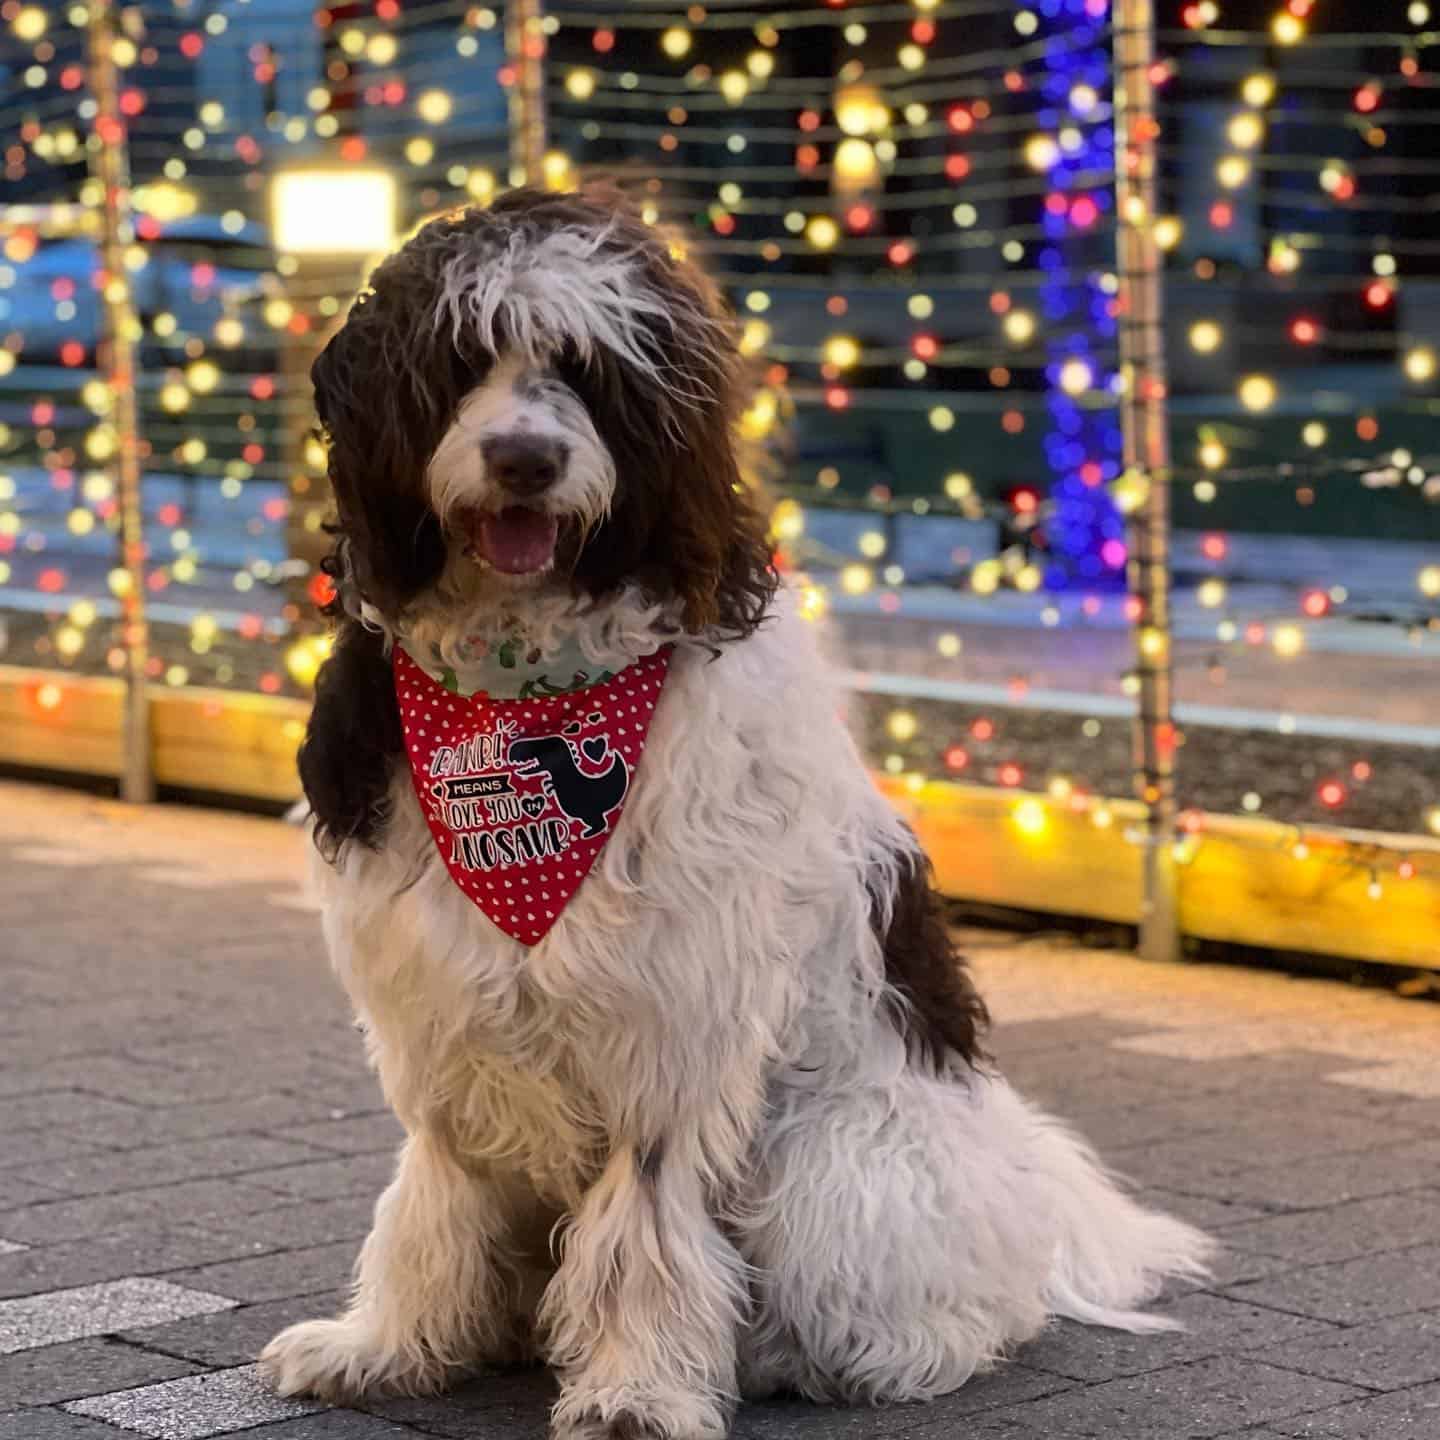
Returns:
(539,397)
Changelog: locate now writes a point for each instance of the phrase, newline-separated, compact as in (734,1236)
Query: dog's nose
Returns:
(525,465)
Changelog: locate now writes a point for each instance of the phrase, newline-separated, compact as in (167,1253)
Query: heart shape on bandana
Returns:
(519,810)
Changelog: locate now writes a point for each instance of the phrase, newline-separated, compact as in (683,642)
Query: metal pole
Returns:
(110,166)
(1144,420)
(525,49)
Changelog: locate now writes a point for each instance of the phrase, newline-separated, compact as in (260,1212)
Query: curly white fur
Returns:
(695,1075)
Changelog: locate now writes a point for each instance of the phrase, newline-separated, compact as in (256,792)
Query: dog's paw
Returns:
(336,1360)
(629,1415)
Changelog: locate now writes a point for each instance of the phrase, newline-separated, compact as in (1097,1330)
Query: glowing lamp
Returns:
(333,212)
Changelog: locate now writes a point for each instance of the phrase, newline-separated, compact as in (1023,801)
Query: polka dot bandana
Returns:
(521,795)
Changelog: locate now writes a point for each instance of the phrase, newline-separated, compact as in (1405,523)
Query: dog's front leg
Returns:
(430,1298)
(642,1315)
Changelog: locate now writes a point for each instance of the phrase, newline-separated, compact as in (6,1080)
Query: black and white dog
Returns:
(695,1096)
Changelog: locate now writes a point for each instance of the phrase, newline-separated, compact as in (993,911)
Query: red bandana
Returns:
(521,795)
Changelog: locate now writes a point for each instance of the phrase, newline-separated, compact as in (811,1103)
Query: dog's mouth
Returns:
(517,540)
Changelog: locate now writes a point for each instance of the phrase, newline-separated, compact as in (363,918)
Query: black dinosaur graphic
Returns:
(586,798)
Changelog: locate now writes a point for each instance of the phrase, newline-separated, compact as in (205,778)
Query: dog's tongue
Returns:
(517,540)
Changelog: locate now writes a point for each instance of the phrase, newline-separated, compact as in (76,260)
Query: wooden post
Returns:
(1144,421)
(525,51)
(109,164)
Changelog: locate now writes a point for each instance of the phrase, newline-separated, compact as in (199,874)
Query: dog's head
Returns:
(539,397)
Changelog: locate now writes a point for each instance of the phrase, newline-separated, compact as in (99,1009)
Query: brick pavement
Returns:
(190,1146)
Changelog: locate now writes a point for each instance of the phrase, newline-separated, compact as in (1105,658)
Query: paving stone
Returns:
(142,1249)
(62,1315)
(1214,1325)
(23,1149)
(271,1277)
(1405,1415)
(1343,1232)
(352,1136)
(52,1425)
(1388,1355)
(1208,1212)
(10,1247)
(83,1367)
(514,1405)
(196,1201)
(297,1225)
(1207,1398)
(366,1174)
(340,1425)
(198,1406)
(236,1337)
(1354,1291)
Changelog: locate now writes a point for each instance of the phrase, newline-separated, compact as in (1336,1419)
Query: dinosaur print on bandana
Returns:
(521,794)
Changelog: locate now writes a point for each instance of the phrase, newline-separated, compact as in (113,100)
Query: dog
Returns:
(697,1107)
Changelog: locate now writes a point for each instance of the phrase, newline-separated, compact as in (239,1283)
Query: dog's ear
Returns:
(386,386)
(683,523)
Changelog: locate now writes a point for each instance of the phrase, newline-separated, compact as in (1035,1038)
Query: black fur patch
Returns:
(352,741)
(650,1160)
(943,1014)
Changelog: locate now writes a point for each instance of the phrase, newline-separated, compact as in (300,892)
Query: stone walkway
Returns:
(190,1147)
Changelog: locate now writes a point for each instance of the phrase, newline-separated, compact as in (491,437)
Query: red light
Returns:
(1367,99)
(1214,547)
(724,224)
(1192,822)
(270,683)
(72,77)
(1406,870)
(1362,770)
(603,41)
(250,626)
(1091,474)
(1011,775)
(1025,501)
(394,92)
(999,303)
(352,148)
(809,120)
(276,509)
(191,46)
(387,9)
(1378,294)
(42,412)
(1345,188)
(202,276)
(837,397)
(957,167)
(1134,609)
(1055,203)
(262,387)
(156,580)
(959,119)
(1012,422)
(902,252)
(1304,331)
(1315,603)
(1332,794)
(859,217)
(51,581)
(1222,215)
(807,157)
(1014,81)
(1193,17)
(132,102)
(168,514)
(72,353)
(957,757)
(1254,633)
(983,729)
(1084,213)
(926,347)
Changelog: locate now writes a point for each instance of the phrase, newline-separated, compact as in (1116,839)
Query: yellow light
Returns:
(381,50)
(420,150)
(1314,434)
(787,520)
(69,641)
(555,169)
(822,232)
(164,324)
(1130,492)
(1233,171)
(754,337)
(80,522)
(942,418)
(1019,326)
(434,107)
(203,376)
(734,86)
(1076,377)
(1420,365)
(49,696)
(1258,90)
(83,613)
(1432,819)
(761,64)
(902,725)
(1429,581)
(985,577)
(758,418)
(1284,258)
(959,486)
(949,645)
(920,307)
(1288,640)
(1168,232)
(1287,29)
(841,351)
(675,42)
(305,657)
(333,212)
(1213,454)
(1211,593)
(911,57)
(856,163)
(580,84)
(861,110)
(29,24)
(1041,152)
(174,397)
(871,544)
(1246,131)
(165,201)
(856,579)
(1257,393)
(176,675)
(1028,578)
(1153,643)
(1206,337)
(481,185)
(814,602)
(229,331)
(1030,817)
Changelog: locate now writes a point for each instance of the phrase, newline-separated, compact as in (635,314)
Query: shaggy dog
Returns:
(717,1122)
